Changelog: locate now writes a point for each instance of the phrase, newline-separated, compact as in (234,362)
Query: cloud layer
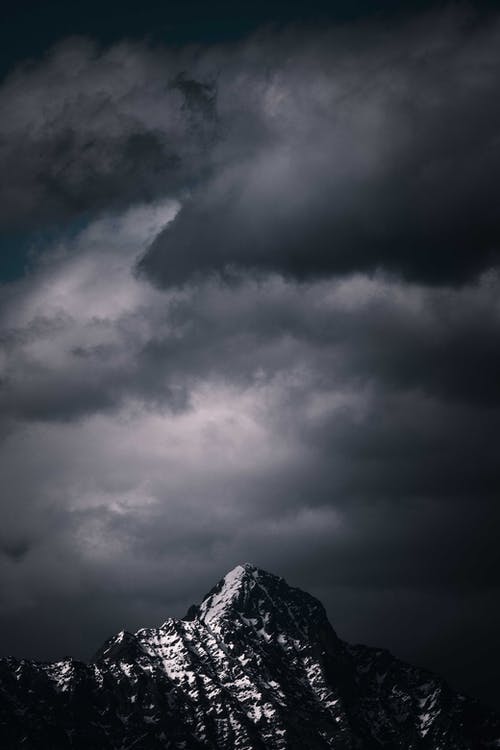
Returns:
(352,153)
(265,328)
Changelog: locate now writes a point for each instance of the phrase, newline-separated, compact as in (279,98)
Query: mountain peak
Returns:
(262,601)
(229,589)
(224,595)
(256,665)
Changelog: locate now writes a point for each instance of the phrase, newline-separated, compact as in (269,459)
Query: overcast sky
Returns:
(250,311)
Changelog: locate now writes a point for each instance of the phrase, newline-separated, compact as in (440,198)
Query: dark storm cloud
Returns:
(371,329)
(305,372)
(379,150)
(361,333)
(15,549)
(89,129)
(338,152)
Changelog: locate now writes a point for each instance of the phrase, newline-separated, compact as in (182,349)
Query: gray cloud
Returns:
(90,129)
(375,151)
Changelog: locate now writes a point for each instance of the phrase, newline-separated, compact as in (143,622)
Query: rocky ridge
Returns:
(255,666)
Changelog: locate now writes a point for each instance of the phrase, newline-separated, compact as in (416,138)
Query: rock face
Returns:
(256,666)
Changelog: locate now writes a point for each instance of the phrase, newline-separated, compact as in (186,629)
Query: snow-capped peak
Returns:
(262,601)
(256,665)
(227,591)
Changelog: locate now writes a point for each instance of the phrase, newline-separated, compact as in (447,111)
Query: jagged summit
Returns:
(237,583)
(265,601)
(255,666)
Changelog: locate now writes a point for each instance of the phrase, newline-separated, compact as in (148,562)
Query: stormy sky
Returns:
(250,311)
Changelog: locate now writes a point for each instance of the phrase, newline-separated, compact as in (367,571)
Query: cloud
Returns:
(341,151)
(353,152)
(90,129)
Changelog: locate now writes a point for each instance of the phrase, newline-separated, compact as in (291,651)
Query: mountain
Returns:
(255,666)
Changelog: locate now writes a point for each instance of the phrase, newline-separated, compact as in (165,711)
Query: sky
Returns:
(250,311)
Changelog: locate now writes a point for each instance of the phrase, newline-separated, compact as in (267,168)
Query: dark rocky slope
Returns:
(256,666)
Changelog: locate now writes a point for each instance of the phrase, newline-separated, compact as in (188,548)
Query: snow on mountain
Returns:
(255,666)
